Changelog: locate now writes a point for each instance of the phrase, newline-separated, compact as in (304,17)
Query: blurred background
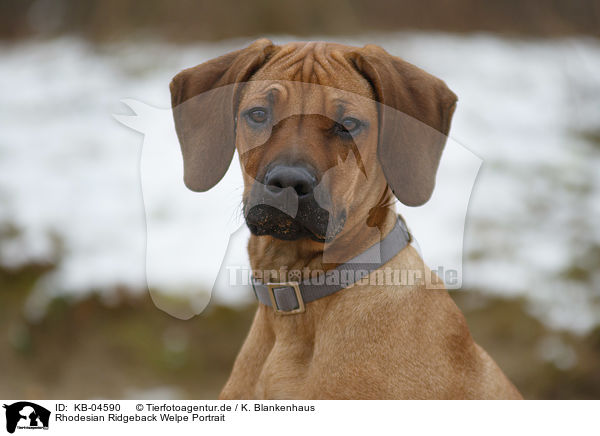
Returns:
(76,318)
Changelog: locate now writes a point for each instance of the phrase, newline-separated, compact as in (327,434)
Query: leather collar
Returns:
(288,298)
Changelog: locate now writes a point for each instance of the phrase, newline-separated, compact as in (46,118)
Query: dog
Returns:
(328,137)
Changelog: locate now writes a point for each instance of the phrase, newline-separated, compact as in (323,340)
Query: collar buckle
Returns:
(281,287)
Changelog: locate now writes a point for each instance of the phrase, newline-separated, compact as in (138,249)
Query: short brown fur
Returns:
(368,341)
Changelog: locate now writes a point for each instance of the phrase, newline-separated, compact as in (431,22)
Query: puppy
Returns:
(328,137)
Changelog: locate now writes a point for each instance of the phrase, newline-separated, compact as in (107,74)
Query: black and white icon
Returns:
(26,415)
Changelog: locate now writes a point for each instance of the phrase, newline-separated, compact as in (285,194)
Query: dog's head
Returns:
(322,131)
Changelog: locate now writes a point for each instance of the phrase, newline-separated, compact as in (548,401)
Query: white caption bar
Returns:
(101,417)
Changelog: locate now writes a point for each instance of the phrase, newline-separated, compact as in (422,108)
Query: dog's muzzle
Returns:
(285,206)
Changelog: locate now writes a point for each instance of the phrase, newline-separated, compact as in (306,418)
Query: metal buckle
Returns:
(271,288)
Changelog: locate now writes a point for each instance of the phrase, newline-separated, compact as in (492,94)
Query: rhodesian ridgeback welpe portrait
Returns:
(328,137)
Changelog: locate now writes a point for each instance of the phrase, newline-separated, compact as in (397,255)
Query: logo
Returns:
(26,415)
(161,159)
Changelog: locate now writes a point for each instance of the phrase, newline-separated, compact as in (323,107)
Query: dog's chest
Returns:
(285,371)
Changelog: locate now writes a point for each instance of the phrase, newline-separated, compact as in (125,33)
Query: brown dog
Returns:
(327,136)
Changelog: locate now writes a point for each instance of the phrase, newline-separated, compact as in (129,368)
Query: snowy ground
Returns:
(70,173)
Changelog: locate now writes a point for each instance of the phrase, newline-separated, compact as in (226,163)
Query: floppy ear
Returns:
(414,121)
(203,102)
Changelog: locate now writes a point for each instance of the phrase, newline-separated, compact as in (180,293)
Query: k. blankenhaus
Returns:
(280,408)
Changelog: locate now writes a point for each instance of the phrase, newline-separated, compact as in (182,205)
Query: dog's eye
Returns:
(348,126)
(258,115)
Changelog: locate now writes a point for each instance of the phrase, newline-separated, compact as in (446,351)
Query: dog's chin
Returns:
(267,220)
(277,225)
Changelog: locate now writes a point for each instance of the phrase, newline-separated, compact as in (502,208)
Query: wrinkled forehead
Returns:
(316,63)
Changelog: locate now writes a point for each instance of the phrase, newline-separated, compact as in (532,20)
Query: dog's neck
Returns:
(275,260)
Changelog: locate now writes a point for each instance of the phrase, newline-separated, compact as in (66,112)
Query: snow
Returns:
(70,176)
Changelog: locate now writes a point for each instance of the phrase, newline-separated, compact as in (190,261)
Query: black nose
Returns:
(300,178)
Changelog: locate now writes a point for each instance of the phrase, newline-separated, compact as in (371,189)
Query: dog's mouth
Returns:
(310,222)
